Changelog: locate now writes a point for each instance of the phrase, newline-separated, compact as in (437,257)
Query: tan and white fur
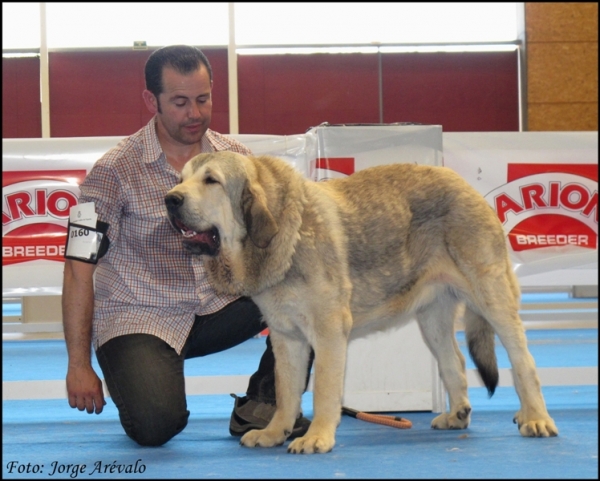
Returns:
(324,261)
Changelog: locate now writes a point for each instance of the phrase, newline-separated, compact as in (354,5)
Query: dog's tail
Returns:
(481,341)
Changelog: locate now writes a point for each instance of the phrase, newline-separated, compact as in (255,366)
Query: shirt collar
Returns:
(153,150)
(206,144)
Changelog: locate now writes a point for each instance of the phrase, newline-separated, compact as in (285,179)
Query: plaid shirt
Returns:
(147,282)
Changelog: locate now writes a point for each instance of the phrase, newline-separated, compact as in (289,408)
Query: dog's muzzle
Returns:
(205,242)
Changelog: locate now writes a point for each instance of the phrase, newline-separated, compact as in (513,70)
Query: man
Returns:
(152,306)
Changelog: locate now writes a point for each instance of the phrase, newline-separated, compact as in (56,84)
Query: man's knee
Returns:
(159,429)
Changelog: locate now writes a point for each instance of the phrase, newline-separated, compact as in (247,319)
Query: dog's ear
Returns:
(259,221)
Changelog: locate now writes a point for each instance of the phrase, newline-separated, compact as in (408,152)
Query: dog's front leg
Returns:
(330,346)
(291,363)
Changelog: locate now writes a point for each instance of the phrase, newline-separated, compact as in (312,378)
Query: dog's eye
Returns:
(210,180)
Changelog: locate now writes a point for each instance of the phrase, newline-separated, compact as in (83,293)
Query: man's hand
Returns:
(84,389)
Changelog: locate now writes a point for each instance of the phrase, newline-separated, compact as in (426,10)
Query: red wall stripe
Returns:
(286,94)
(21,109)
(99,93)
(462,91)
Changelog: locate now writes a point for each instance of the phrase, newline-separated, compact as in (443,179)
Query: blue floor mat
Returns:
(49,436)
(47,360)
(45,432)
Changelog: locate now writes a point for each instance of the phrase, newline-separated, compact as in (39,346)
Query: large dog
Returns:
(356,254)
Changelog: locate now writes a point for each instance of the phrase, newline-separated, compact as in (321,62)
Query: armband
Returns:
(85,243)
(86,236)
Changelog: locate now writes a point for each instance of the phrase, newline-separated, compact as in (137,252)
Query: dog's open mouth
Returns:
(203,242)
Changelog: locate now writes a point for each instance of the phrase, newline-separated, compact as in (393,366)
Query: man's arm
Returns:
(84,387)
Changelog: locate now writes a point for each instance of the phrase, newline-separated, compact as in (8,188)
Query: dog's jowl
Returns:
(331,260)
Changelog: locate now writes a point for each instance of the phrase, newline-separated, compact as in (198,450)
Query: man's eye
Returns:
(180,104)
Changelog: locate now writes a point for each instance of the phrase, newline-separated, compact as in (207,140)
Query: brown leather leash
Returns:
(392,421)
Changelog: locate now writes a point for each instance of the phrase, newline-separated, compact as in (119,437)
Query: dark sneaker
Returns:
(248,415)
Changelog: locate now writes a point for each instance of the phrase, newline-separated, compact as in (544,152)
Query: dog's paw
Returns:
(543,427)
(312,443)
(457,420)
(263,438)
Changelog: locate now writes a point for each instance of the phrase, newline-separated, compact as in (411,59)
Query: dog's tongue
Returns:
(207,237)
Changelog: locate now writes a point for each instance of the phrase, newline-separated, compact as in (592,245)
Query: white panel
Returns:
(389,371)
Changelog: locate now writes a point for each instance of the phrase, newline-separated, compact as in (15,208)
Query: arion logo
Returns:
(35,212)
(548,205)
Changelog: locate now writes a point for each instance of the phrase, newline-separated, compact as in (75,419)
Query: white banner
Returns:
(340,150)
(40,183)
(543,185)
(544,188)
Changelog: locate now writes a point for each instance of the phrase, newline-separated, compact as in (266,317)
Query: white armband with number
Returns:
(86,237)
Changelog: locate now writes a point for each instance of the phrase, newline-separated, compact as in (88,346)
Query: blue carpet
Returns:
(550,348)
(47,360)
(48,434)
(45,432)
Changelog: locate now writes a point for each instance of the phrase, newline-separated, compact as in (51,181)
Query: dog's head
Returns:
(220,202)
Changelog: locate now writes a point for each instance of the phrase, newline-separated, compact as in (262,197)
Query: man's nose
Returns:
(195,111)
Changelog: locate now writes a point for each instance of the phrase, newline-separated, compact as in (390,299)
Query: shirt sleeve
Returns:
(102,187)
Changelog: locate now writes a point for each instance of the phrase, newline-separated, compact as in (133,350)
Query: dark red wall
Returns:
(99,93)
(96,93)
(285,94)
(464,92)
(21,108)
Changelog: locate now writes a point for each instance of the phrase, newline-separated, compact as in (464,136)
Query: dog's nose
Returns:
(174,200)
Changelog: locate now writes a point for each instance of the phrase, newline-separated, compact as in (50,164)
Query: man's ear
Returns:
(151,101)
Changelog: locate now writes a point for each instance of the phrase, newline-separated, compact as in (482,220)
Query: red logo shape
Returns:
(344,165)
(35,213)
(325,168)
(548,230)
(549,205)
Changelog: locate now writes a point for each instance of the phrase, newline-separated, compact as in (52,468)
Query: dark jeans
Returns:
(144,375)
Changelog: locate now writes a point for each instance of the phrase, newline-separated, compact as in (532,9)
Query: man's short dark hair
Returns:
(182,58)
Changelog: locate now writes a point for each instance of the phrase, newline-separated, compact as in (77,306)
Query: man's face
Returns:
(185,106)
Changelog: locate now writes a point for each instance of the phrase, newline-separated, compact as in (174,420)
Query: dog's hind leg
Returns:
(436,321)
(498,303)
(291,362)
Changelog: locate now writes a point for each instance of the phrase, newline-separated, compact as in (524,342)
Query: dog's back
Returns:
(402,220)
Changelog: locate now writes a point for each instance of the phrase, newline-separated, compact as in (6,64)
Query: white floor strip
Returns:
(21,390)
(549,376)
